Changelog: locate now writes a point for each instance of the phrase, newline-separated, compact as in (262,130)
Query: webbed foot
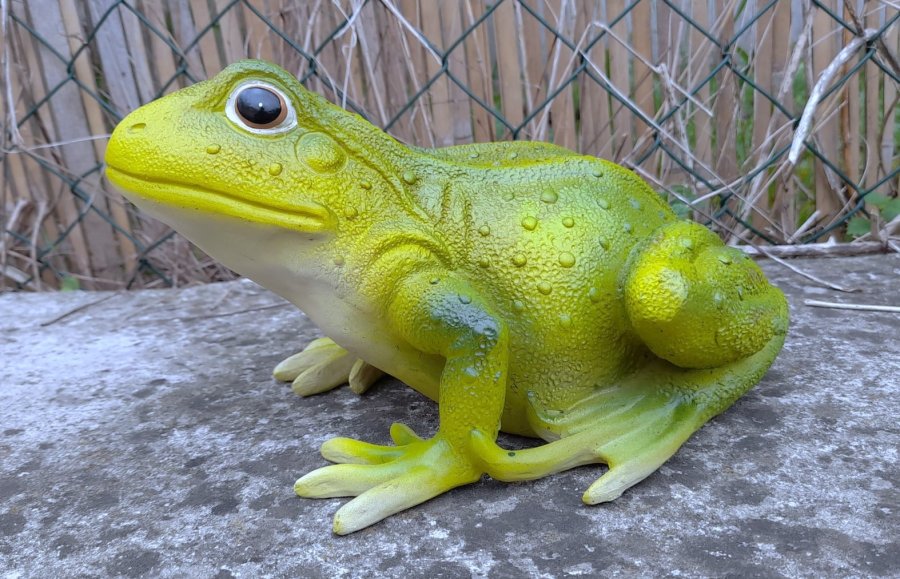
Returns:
(633,433)
(385,479)
(323,366)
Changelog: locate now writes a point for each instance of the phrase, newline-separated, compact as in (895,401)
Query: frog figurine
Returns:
(522,286)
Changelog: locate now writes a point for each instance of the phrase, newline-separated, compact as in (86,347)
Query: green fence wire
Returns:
(29,255)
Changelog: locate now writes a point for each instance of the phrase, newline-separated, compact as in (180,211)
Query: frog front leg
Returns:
(440,315)
(323,366)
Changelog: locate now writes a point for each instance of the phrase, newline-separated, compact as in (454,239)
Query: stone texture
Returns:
(144,436)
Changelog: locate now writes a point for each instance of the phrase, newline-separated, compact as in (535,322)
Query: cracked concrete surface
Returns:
(144,436)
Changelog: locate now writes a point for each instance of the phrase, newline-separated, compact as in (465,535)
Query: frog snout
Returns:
(127,145)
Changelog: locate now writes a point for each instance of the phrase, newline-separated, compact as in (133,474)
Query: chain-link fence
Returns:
(701,99)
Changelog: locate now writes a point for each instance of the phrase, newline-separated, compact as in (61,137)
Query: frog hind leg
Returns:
(633,426)
(714,326)
(322,366)
(696,302)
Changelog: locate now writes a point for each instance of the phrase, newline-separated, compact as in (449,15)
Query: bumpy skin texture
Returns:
(520,285)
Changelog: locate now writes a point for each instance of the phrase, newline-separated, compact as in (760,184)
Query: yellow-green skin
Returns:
(522,286)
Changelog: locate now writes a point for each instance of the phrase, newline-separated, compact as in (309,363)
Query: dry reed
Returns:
(648,89)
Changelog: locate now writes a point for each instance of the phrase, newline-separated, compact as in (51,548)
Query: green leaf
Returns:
(858,226)
(684,191)
(69,284)
(891,210)
(682,210)
(878,200)
(888,206)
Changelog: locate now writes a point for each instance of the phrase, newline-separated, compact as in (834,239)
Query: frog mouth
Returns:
(301,215)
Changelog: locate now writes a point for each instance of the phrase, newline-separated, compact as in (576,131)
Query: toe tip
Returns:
(595,496)
(301,488)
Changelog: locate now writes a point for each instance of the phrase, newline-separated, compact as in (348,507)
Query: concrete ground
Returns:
(144,436)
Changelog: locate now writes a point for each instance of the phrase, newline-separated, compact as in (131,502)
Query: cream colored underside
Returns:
(284,262)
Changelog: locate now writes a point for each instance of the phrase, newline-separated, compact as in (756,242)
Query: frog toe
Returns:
(350,451)
(412,488)
(345,480)
(363,375)
(317,351)
(402,434)
(385,479)
(617,480)
(324,376)
(323,366)
(634,457)
(347,450)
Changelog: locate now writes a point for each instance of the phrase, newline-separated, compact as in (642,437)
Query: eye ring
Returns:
(260,108)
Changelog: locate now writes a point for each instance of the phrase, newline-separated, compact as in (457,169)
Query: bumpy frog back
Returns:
(544,233)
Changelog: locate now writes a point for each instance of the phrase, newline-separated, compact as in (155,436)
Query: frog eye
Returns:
(260,108)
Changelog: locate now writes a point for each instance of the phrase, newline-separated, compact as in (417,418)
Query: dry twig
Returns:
(858,307)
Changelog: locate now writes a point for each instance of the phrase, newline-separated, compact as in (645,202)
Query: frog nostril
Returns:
(137,127)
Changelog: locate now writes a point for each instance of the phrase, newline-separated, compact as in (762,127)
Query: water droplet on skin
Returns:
(465,299)
(509,196)
(604,243)
(409,177)
(350,212)
(365,185)
(635,203)
(724,259)
(740,293)
(544,287)
(566,259)
(484,262)
(594,294)
(687,243)
(518,305)
(275,169)
(597,173)
(549,196)
(569,222)
(626,227)
(484,230)
(473,155)
(213,149)
(519,260)
(718,298)
(513,155)
(339,260)
(434,281)
(529,223)
(496,163)
(565,320)
(138,127)
(603,203)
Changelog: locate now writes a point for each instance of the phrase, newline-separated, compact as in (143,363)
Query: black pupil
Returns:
(258,105)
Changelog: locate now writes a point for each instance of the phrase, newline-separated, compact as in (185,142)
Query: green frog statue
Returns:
(520,285)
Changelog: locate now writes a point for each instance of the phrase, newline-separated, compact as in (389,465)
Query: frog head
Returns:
(252,156)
